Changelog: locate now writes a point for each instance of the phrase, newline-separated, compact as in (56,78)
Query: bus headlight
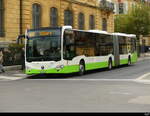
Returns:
(59,67)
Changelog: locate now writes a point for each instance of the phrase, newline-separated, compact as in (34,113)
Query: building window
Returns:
(54,17)
(92,22)
(1,18)
(81,21)
(36,14)
(121,8)
(104,24)
(68,17)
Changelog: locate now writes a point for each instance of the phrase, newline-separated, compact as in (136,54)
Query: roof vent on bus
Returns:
(98,31)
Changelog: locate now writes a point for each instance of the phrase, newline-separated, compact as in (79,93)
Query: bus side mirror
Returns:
(20,39)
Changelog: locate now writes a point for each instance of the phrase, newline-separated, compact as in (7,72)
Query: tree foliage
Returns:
(136,22)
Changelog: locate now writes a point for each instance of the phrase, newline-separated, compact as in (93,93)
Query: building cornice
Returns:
(81,3)
(96,6)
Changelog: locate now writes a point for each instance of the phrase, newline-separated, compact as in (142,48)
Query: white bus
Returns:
(64,50)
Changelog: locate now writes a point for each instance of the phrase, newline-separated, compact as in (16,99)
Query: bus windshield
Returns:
(44,45)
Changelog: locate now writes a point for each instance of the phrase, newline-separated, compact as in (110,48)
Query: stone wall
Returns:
(11,20)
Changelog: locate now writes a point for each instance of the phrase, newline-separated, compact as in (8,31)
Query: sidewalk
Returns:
(13,75)
(144,56)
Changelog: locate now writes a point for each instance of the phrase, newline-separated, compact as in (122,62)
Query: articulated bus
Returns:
(63,50)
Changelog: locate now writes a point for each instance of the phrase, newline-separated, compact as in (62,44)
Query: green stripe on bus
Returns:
(134,57)
(123,61)
(69,69)
(66,69)
(75,68)
(97,65)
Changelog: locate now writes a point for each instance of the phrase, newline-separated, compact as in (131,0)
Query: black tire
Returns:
(110,66)
(129,61)
(81,68)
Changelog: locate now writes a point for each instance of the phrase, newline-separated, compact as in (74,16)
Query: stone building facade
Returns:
(17,15)
(9,20)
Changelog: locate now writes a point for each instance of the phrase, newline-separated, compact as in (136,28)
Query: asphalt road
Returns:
(97,91)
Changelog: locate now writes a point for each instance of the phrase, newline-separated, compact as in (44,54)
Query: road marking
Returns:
(140,100)
(143,76)
(143,81)
(98,80)
(128,80)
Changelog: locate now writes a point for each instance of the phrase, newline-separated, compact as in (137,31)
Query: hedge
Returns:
(12,54)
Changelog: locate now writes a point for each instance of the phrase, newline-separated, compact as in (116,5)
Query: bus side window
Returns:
(69,46)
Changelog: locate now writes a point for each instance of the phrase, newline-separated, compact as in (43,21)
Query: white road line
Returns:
(98,80)
(143,81)
(143,76)
(127,80)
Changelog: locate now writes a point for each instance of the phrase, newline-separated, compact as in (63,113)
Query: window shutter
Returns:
(68,17)
(81,21)
(54,17)
(117,8)
(125,7)
(36,15)
(92,22)
(1,18)
(104,24)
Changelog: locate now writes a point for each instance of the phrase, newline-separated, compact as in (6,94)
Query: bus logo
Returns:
(42,67)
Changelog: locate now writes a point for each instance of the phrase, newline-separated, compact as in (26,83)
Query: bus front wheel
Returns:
(81,68)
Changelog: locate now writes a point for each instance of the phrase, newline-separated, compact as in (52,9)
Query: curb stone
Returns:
(12,68)
(11,78)
(13,75)
(143,58)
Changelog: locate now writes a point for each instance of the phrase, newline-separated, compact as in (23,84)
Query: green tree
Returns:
(136,22)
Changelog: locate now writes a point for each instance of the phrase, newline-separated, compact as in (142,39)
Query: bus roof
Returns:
(46,28)
(124,34)
(99,31)
(92,31)
(120,34)
(132,35)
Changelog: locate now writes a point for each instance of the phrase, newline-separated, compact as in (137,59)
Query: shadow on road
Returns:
(73,75)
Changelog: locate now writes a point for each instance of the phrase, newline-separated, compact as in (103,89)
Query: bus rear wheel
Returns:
(110,64)
(129,61)
(81,68)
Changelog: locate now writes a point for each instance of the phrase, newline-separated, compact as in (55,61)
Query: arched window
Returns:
(92,22)
(1,18)
(104,24)
(68,17)
(36,14)
(53,17)
(81,21)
